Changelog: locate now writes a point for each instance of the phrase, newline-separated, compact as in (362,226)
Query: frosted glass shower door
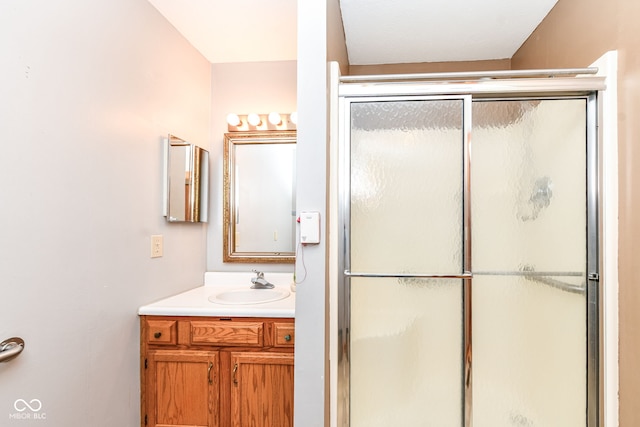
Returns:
(406,180)
(470,262)
(529,216)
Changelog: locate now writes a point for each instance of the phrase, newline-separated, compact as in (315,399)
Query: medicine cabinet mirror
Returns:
(259,197)
(187,181)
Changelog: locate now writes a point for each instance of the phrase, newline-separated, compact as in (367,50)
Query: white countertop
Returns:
(195,302)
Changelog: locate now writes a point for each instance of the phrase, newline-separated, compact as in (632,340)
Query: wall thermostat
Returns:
(309,228)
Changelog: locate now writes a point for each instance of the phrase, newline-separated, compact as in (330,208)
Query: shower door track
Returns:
(553,72)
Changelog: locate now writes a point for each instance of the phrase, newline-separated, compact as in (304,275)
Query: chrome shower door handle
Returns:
(11,348)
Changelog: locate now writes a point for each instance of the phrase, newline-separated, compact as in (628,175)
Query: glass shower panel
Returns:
(528,186)
(406,352)
(406,182)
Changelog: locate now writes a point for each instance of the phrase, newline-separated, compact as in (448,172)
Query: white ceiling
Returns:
(236,30)
(377,31)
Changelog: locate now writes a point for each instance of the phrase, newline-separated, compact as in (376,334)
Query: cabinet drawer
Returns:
(162,331)
(226,333)
(285,334)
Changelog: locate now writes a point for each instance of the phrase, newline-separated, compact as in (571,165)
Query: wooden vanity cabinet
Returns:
(216,372)
(180,388)
(261,389)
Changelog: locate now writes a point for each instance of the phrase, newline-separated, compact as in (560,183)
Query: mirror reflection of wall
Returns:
(259,213)
(264,209)
(187,181)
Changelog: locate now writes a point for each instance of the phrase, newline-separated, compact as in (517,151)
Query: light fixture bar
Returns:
(261,122)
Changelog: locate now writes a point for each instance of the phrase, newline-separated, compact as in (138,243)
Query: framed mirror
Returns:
(259,197)
(186,181)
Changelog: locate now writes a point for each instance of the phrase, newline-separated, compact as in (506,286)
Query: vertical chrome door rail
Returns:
(467,309)
(593,265)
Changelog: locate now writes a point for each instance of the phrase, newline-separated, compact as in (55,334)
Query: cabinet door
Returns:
(261,389)
(182,388)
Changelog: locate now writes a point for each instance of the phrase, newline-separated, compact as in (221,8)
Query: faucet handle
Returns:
(260,274)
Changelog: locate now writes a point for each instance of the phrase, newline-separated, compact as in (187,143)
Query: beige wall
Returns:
(336,43)
(88,92)
(575,34)
(431,67)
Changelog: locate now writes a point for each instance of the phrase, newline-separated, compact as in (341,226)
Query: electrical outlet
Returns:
(156,246)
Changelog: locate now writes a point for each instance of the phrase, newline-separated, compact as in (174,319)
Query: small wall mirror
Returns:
(259,197)
(187,181)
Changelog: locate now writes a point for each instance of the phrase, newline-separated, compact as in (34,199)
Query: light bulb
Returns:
(254,119)
(233,119)
(294,117)
(274,118)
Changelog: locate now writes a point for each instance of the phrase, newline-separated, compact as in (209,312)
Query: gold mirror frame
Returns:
(231,141)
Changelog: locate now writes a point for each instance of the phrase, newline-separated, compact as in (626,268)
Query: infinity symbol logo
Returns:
(21,405)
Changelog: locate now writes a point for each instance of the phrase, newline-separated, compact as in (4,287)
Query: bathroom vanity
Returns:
(217,365)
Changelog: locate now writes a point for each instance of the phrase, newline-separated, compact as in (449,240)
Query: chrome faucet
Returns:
(259,282)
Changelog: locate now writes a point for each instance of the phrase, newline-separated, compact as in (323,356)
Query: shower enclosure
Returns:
(469,256)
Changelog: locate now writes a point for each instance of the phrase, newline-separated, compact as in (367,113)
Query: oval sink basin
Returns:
(248,296)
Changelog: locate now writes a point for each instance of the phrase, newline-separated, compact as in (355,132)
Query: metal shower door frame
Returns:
(586,88)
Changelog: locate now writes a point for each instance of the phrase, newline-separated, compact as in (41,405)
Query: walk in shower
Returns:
(468,259)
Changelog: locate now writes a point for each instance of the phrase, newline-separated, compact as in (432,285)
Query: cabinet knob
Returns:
(287,337)
(157,335)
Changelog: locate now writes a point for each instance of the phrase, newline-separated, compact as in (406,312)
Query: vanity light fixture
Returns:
(261,122)
(233,119)
(274,118)
(254,119)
